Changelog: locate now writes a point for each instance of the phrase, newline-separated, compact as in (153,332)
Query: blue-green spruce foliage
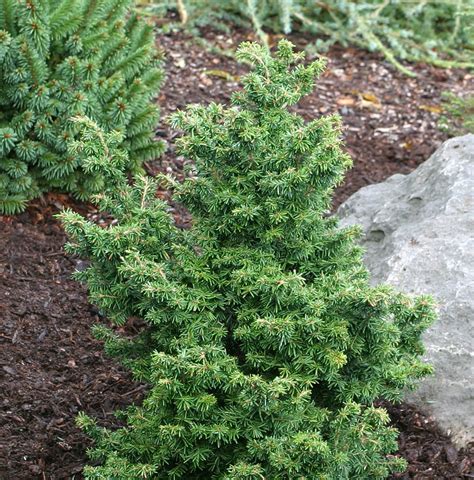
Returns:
(265,347)
(61,58)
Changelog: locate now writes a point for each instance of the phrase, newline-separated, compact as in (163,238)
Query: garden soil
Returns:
(50,366)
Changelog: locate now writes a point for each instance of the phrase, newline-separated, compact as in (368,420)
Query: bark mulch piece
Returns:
(50,366)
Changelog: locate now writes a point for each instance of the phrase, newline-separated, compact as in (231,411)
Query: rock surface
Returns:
(419,237)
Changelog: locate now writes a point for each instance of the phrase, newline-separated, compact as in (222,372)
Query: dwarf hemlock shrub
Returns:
(62,58)
(265,347)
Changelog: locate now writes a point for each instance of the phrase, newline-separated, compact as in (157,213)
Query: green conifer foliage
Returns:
(60,58)
(265,347)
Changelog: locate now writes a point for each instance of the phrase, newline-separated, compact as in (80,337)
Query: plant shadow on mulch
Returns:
(50,366)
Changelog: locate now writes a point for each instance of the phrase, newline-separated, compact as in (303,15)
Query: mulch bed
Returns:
(50,366)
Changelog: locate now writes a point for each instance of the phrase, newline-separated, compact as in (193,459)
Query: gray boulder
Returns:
(419,237)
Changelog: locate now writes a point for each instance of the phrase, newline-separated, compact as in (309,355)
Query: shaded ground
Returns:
(51,368)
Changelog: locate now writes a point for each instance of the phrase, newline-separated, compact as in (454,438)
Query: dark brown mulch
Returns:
(429,453)
(51,367)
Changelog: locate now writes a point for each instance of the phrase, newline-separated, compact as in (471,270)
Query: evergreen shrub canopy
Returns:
(264,347)
(61,58)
